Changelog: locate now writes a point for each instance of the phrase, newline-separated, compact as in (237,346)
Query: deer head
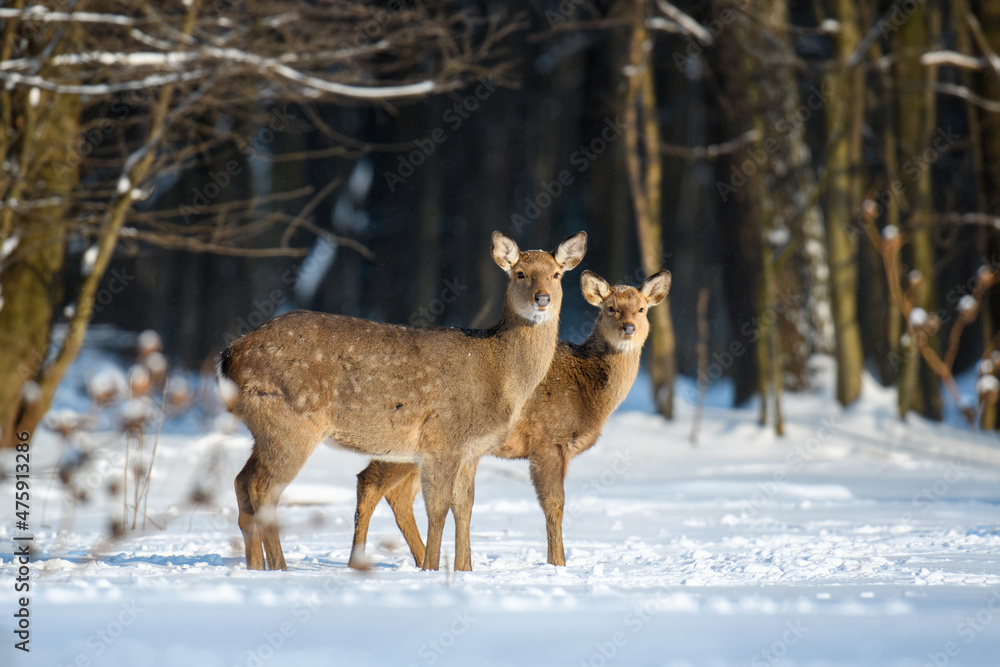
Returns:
(622,321)
(535,289)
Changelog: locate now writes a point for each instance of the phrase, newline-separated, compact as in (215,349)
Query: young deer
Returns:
(563,417)
(438,397)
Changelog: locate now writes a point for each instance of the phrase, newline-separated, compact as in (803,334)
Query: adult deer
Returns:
(439,398)
(563,417)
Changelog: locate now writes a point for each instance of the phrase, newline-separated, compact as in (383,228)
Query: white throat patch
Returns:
(532,314)
(623,344)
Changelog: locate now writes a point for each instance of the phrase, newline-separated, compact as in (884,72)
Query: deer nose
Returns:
(628,329)
(542,300)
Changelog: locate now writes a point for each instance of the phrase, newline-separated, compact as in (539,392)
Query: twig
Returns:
(992,106)
(889,249)
(152,458)
(711,151)
(974,218)
(984,45)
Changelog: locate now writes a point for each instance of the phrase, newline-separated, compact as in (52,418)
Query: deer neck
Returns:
(621,366)
(525,349)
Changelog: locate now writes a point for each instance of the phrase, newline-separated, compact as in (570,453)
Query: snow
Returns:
(987,384)
(109,382)
(148,341)
(313,268)
(890,232)
(967,304)
(779,236)
(156,363)
(917,318)
(89,260)
(9,245)
(856,539)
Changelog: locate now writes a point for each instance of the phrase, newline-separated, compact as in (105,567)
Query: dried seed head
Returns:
(156,363)
(988,387)
(891,239)
(869,209)
(148,342)
(179,392)
(918,318)
(967,308)
(140,380)
(107,386)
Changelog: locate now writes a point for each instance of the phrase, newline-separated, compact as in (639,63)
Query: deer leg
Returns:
(437,477)
(465,492)
(382,478)
(267,520)
(401,498)
(257,496)
(548,475)
(247,517)
(275,461)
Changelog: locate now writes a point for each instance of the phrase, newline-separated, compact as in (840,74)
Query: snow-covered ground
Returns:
(856,539)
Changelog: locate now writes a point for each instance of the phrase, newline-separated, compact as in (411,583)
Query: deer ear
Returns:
(571,250)
(505,251)
(656,287)
(595,288)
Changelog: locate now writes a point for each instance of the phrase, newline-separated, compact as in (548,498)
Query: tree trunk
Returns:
(915,116)
(842,191)
(642,145)
(31,285)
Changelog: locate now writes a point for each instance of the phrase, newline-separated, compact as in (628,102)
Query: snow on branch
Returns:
(346,90)
(152,81)
(689,25)
(992,106)
(954,59)
(171,60)
(984,219)
(134,59)
(206,55)
(40,14)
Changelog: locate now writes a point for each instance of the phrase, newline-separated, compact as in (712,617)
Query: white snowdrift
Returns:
(857,539)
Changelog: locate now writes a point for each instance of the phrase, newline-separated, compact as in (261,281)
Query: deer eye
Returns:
(557,275)
(520,275)
(642,310)
(610,309)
